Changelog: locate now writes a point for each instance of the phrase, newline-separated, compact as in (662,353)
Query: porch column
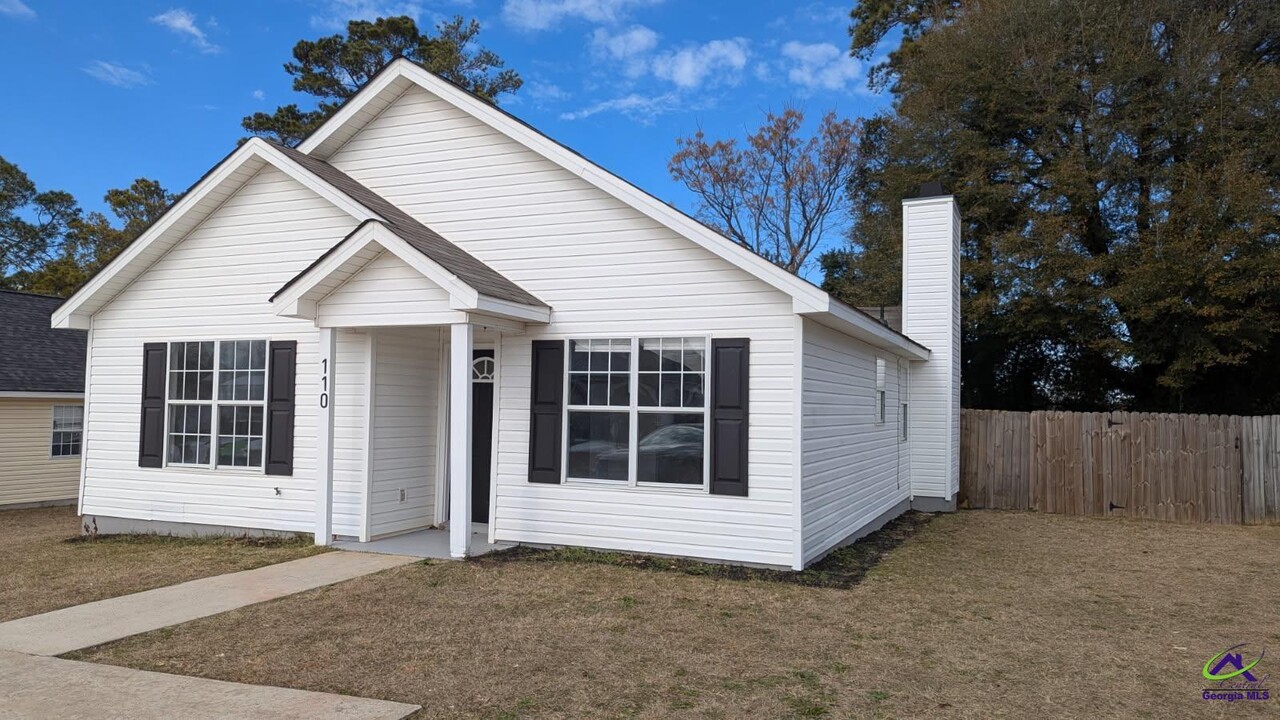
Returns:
(324,441)
(460,336)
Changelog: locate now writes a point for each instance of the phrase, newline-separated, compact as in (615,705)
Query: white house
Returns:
(431,314)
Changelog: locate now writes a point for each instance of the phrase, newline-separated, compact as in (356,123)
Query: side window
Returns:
(68,430)
(881,395)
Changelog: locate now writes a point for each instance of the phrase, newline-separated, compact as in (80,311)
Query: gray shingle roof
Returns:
(467,268)
(33,356)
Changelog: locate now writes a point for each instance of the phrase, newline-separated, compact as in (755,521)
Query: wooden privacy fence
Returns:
(1182,468)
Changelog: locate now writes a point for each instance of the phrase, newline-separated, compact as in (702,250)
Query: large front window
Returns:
(636,411)
(217,401)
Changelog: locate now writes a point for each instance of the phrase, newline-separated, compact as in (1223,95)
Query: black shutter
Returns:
(546,399)
(151,429)
(280,404)
(730,410)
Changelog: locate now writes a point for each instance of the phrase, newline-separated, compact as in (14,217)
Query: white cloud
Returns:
(544,14)
(335,14)
(819,66)
(630,47)
(692,66)
(183,22)
(637,107)
(542,92)
(113,73)
(258,95)
(17,9)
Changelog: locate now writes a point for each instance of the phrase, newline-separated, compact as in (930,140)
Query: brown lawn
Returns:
(44,565)
(981,614)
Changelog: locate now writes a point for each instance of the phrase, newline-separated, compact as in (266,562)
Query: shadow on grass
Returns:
(843,568)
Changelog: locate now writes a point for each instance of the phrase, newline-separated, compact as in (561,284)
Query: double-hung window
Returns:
(217,402)
(68,430)
(636,411)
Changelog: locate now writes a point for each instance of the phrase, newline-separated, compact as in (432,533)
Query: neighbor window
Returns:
(217,402)
(637,411)
(903,418)
(68,430)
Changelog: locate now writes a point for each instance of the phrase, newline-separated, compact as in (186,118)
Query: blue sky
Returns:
(103,92)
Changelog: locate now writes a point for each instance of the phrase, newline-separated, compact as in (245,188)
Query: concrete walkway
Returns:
(82,626)
(35,685)
(43,687)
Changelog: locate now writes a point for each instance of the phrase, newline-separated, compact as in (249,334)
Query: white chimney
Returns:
(931,317)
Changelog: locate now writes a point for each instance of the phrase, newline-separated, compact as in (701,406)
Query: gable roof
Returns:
(230,175)
(401,74)
(34,357)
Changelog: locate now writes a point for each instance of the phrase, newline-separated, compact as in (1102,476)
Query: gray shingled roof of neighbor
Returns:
(466,267)
(33,356)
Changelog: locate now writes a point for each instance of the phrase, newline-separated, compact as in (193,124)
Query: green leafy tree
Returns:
(1119,178)
(334,68)
(32,224)
(77,245)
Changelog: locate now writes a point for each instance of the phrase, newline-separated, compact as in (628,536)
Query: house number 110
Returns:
(324,382)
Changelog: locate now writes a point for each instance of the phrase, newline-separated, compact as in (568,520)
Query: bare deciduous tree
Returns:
(780,193)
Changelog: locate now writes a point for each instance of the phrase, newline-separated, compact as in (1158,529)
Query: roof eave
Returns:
(857,324)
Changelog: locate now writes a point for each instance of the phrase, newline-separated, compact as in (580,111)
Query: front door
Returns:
(482,374)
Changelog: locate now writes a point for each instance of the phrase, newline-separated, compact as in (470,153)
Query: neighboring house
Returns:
(430,311)
(41,403)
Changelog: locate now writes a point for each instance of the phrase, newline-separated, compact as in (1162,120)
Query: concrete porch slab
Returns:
(53,688)
(427,544)
(82,626)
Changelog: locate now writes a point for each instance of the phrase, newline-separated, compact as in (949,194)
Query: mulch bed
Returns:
(843,568)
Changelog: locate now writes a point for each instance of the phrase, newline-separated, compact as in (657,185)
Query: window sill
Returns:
(205,469)
(654,488)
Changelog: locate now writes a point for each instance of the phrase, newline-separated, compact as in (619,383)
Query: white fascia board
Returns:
(855,323)
(255,149)
(806,295)
(506,308)
(38,395)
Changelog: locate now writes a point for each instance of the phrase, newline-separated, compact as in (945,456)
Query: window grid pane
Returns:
(190,433)
(67,430)
(240,435)
(672,372)
(600,373)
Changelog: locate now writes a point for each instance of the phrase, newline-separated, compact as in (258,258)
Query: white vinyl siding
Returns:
(385,292)
(215,282)
(405,411)
(931,316)
(350,420)
(854,467)
(606,270)
(28,474)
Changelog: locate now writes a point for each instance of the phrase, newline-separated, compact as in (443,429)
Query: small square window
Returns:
(68,430)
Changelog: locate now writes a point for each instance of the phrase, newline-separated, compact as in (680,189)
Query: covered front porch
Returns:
(409,362)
